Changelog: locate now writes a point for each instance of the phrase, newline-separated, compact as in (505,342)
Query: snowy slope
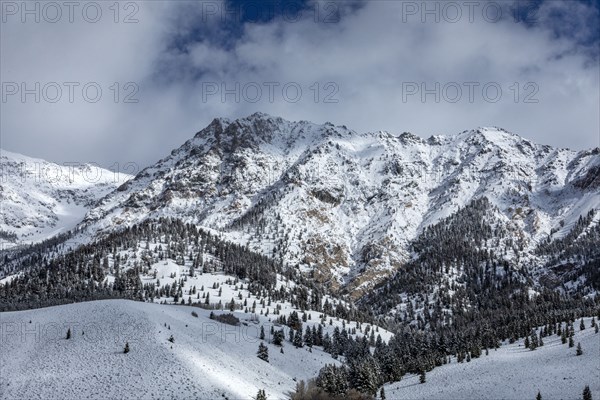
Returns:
(207,360)
(347,205)
(212,360)
(513,372)
(39,199)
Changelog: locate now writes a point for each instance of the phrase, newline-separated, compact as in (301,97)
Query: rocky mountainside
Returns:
(39,199)
(347,207)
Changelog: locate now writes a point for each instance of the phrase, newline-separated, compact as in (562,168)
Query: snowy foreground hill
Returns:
(206,360)
(210,360)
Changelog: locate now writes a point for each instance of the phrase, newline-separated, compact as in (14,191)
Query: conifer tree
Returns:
(262,333)
(581,324)
(365,375)
(382,394)
(126,349)
(539,396)
(261,395)
(579,351)
(69,333)
(278,337)
(298,338)
(263,352)
(571,342)
(587,393)
(308,337)
(422,376)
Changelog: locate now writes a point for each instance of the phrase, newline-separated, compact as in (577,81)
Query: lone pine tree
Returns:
(263,352)
(126,349)
(261,395)
(587,393)
(579,351)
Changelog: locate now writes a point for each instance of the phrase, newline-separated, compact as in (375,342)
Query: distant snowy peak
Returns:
(39,199)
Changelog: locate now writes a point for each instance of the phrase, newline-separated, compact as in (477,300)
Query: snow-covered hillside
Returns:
(206,360)
(39,199)
(347,205)
(513,372)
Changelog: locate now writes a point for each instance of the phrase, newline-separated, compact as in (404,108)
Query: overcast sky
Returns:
(166,69)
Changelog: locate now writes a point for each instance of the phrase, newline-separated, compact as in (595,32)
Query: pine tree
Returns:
(333,380)
(278,337)
(382,394)
(587,393)
(563,337)
(527,343)
(422,376)
(261,395)
(582,325)
(365,375)
(69,333)
(596,329)
(263,352)
(571,343)
(533,341)
(262,333)
(579,351)
(308,337)
(298,338)
(539,396)
(126,349)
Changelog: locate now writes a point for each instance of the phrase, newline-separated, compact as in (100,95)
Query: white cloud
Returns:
(369,54)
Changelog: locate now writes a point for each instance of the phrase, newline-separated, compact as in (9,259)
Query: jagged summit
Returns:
(267,127)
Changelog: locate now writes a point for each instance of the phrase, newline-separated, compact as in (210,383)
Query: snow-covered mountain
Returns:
(444,248)
(347,205)
(39,199)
